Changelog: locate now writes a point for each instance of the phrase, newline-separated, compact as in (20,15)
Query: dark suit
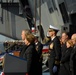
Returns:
(32,58)
(63,48)
(22,50)
(54,54)
(73,61)
(64,65)
(39,47)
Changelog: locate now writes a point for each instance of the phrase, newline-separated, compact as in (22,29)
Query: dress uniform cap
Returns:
(53,28)
(36,36)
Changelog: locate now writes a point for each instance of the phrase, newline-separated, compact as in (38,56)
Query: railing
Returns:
(10,1)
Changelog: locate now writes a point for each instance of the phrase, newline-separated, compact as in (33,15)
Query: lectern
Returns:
(14,65)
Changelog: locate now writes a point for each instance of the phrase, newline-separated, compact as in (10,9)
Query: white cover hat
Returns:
(36,35)
(52,27)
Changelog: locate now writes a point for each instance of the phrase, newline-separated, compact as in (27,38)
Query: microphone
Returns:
(10,47)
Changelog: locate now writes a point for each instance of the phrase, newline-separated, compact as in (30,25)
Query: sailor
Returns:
(54,50)
(38,45)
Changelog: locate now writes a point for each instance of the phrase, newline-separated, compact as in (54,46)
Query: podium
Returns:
(14,65)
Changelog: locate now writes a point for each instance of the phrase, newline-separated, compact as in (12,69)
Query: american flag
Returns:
(45,48)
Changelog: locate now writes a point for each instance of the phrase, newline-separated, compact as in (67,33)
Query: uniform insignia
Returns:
(36,48)
(51,46)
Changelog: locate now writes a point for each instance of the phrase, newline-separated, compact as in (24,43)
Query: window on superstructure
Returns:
(54,4)
(0,1)
(64,12)
(50,6)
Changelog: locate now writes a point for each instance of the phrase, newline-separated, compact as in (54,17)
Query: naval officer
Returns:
(54,50)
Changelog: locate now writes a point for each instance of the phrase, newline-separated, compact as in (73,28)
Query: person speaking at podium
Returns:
(23,34)
(31,55)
